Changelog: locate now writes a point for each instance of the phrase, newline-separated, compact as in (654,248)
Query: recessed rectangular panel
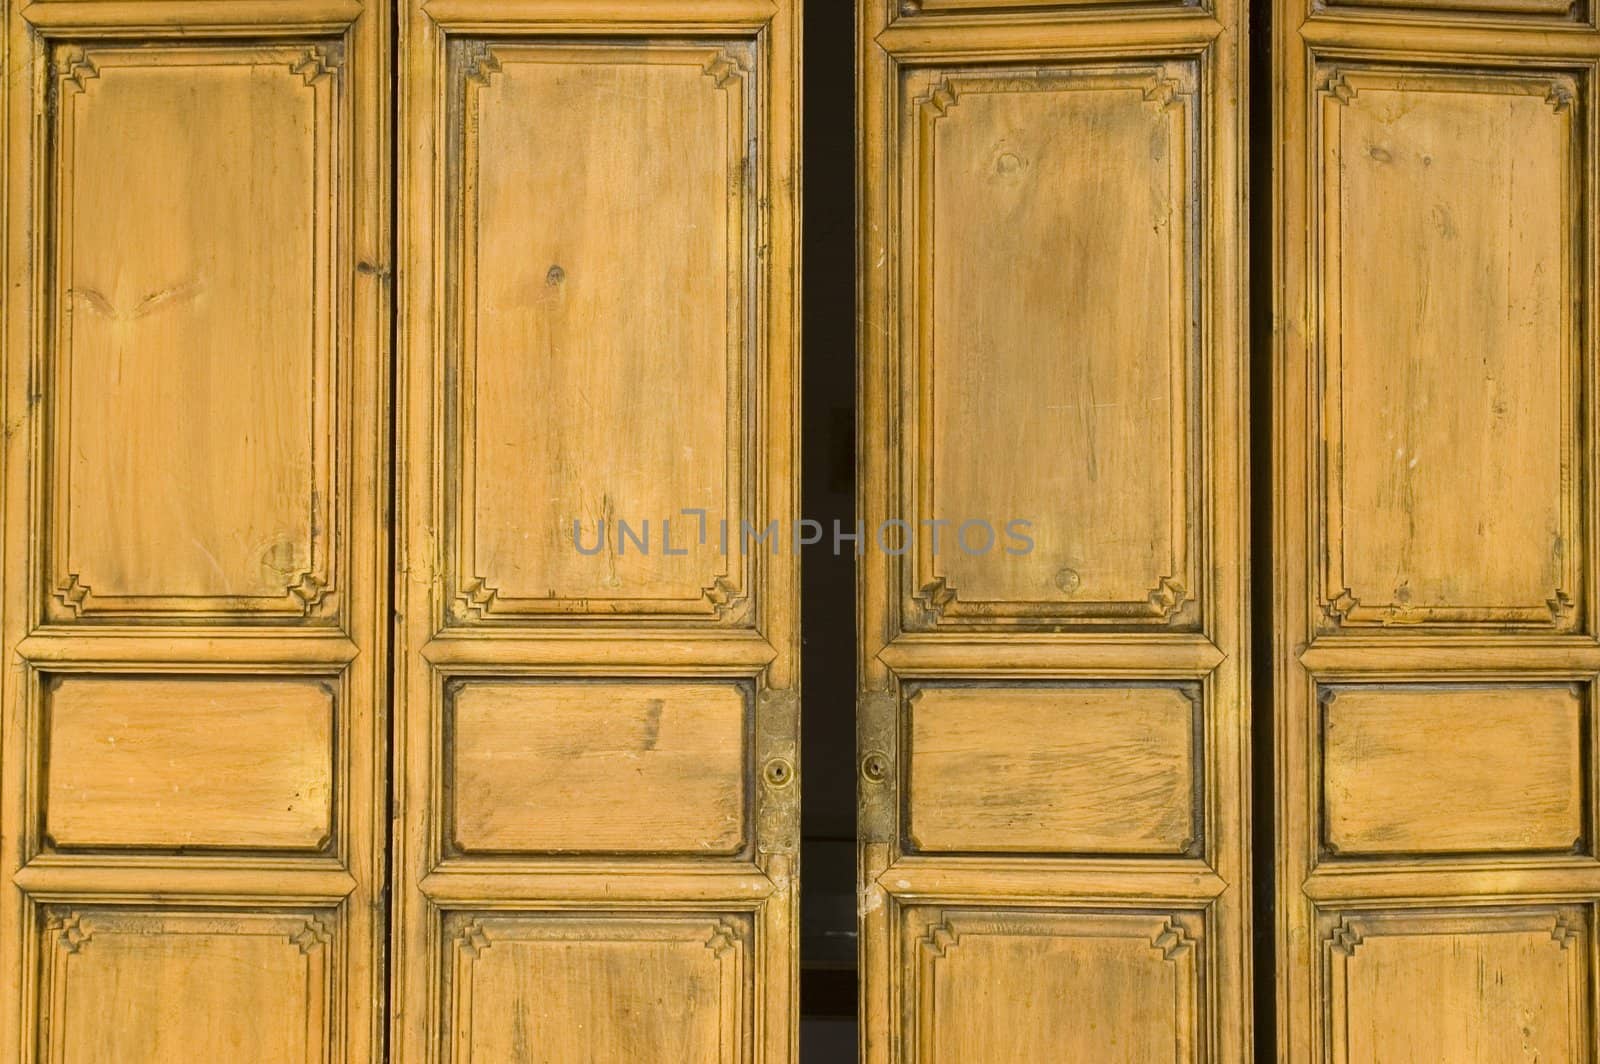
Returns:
(1569,8)
(1050,422)
(597,766)
(1452,769)
(139,986)
(1482,985)
(195,237)
(1069,769)
(1000,6)
(992,985)
(1451,233)
(605,330)
(651,989)
(189,762)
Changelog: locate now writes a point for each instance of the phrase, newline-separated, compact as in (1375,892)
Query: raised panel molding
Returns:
(1102,402)
(1397,761)
(148,519)
(163,763)
(640,434)
(989,985)
(146,986)
(557,987)
(1490,984)
(1088,769)
(1456,388)
(625,767)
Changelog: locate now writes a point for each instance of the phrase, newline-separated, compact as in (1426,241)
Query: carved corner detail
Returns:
(1168,597)
(310,590)
(1170,86)
(74,66)
(1335,85)
(319,61)
(70,931)
(1338,608)
(1344,939)
(1561,95)
(723,594)
(477,598)
(723,68)
(1172,941)
(472,939)
(723,939)
(312,936)
(72,593)
(1560,603)
(940,940)
(1565,932)
(940,97)
(934,598)
(478,62)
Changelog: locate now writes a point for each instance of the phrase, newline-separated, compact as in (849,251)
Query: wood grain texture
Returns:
(146,987)
(550,989)
(1005,335)
(1433,480)
(1399,766)
(642,419)
(1450,383)
(991,986)
(1085,769)
(191,472)
(595,767)
(1050,316)
(1478,987)
(232,764)
(196,546)
(598,752)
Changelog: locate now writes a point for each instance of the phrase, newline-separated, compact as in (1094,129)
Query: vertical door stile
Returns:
(196,370)
(597,738)
(1053,726)
(1436,642)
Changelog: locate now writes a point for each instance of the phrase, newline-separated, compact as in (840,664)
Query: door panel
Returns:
(196,535)
(1435,621)
(1052,715)
(596,850)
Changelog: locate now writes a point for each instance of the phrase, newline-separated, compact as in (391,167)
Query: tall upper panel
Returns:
(629,425)
(195,428)
(1038,201)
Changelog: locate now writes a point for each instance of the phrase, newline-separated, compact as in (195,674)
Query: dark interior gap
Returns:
(1263,270)
(827,583)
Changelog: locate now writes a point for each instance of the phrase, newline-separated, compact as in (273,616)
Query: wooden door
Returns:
(595,850)
(196,562)
(1434,530)
(1052,716)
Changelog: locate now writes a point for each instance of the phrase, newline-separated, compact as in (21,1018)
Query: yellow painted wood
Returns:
(1398,765)
(204,762)
(597,829)
(196,532)
(1106,769)
(591,767)
(1052,304)
(1434,467)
